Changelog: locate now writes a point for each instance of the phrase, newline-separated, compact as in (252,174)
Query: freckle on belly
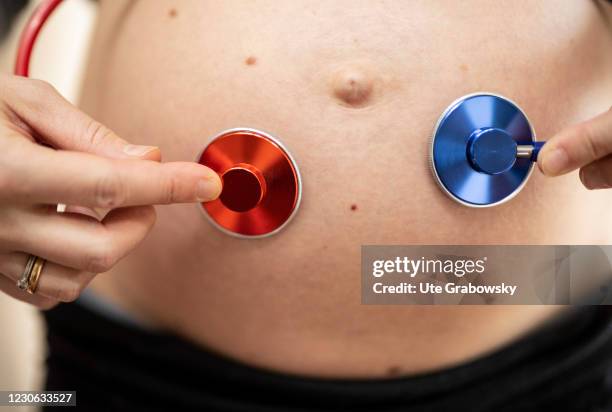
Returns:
(250,61)
(352,87)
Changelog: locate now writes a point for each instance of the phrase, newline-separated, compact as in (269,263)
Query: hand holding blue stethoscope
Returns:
(586,146)
(484,148)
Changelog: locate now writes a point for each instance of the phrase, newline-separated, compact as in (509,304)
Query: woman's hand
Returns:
(587,146)
(92,168)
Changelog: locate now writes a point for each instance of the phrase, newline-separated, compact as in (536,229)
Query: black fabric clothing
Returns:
(563,366)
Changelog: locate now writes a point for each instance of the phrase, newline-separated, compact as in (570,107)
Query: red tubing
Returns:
(30,33)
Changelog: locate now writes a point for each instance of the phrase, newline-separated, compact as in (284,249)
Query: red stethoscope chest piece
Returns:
(261,183)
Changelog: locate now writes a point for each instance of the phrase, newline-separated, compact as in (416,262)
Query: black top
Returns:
(563,366)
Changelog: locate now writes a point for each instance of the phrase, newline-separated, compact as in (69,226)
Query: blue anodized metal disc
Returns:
(473,150)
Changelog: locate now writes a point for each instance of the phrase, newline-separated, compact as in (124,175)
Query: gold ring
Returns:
(31,274)
(37,268)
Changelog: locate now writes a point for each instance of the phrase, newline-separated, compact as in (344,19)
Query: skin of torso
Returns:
(353,89)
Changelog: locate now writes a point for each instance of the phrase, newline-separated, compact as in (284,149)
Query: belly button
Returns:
(352,87)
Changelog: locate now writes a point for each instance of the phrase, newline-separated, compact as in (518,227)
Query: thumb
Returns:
(56,122)
(577,146)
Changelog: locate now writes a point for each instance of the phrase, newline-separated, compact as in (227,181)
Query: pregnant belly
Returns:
(353,89)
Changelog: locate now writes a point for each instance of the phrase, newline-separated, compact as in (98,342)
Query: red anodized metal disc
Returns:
(261,183)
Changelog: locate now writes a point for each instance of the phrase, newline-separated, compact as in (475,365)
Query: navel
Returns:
(353,87)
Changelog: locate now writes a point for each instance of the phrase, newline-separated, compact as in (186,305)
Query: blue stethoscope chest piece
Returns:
(483,150)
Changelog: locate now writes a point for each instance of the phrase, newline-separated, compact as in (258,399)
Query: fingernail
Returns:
(137,150)
(593,179)
(555,162)
(208,189)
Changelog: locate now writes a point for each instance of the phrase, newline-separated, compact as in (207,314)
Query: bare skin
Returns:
(353,89)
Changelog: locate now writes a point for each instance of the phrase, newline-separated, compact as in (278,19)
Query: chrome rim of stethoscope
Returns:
(432,142)
(293,163)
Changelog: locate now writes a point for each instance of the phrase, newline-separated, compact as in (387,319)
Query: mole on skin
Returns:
(172,12)
(250,61)
(353,207)
(352,87)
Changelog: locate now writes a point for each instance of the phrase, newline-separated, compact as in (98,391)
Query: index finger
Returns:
(43,175)
(577,146)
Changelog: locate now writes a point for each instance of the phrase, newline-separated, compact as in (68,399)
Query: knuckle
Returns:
(44,86)
(37,92)
(95,133)
(100,258)
(22,88)
(40,86)
(69,293)
(170,190)
(34,94)
(108,191)
(72,288)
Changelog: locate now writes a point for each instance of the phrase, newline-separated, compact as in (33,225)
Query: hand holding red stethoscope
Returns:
(90,167)
(93,168)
